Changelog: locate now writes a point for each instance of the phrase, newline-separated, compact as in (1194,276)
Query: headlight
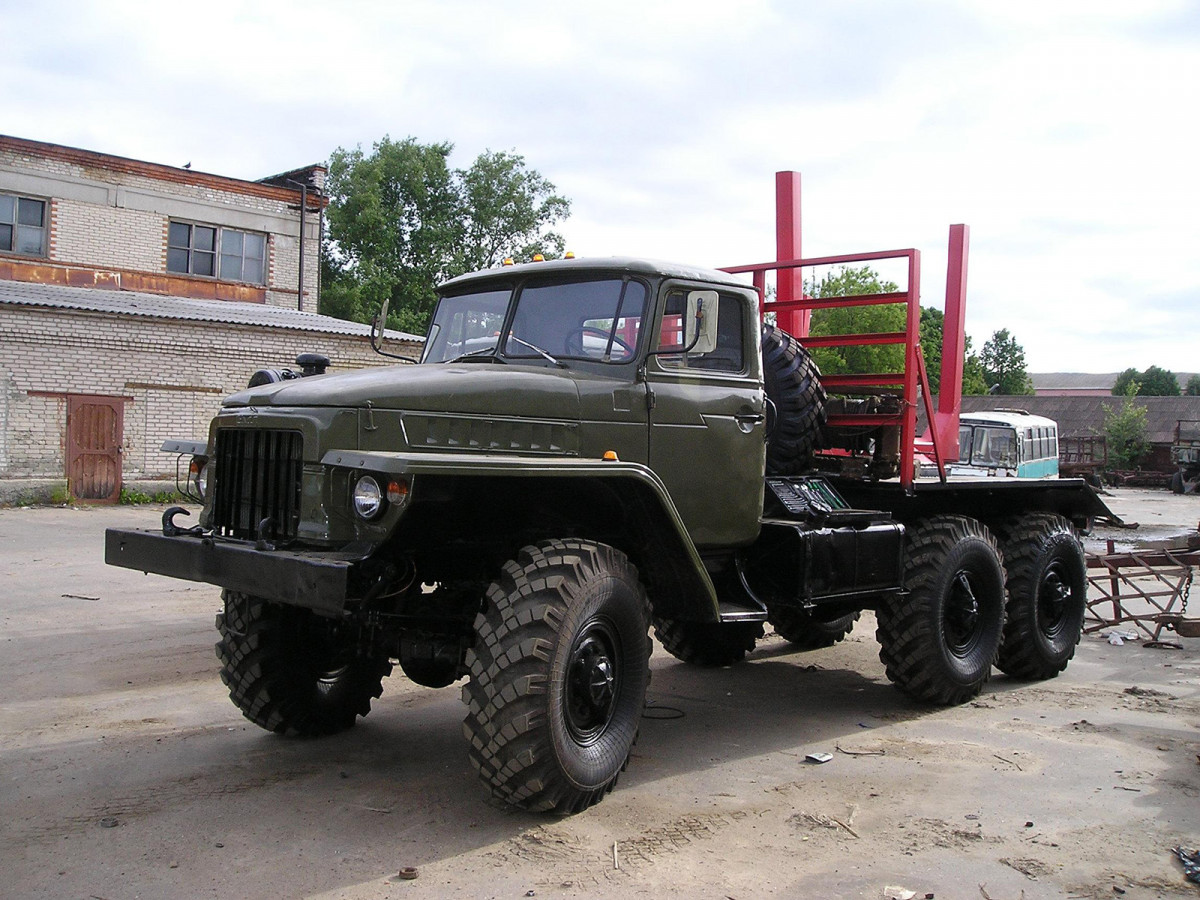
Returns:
(198,475)
(368,498)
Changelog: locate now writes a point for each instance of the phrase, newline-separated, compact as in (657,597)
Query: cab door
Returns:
(708,414)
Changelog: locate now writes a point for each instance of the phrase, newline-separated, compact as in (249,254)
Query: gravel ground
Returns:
(125,772)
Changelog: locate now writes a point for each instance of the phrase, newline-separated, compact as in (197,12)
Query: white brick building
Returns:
(134,296)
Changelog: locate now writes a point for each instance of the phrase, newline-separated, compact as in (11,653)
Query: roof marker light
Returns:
(537,257)
(570,254)
(611,456)
(508,261)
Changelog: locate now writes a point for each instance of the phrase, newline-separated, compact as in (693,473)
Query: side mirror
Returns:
(378,325)
(700,322)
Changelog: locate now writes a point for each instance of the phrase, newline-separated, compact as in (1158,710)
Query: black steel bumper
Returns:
(314,579)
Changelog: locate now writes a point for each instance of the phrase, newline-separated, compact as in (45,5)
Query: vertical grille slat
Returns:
(257,477)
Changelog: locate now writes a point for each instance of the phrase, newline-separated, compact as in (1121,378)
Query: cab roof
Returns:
(618,265)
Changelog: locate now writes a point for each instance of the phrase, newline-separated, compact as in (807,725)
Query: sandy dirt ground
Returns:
(125,772)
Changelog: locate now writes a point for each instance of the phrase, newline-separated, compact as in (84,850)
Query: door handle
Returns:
(747,421)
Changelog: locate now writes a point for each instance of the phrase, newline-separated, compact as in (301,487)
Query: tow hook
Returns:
(170,529)
(266,531)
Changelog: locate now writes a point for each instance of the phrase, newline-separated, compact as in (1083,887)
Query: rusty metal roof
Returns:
(134,303)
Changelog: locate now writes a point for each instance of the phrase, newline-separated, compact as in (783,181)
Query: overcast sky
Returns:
(1064,133)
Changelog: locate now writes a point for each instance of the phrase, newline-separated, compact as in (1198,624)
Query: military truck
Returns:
(585,450)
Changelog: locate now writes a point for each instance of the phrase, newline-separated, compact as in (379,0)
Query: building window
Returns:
(193,250)
(22,225)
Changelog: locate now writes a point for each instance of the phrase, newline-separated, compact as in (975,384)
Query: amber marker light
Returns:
(397,491)
(537,257)
(508,261)
(610,456)
(570,254)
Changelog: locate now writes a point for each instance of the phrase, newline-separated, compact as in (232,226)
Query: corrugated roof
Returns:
(135,303)
(1078,381)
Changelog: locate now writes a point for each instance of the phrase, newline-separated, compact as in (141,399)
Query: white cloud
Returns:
(1063,133)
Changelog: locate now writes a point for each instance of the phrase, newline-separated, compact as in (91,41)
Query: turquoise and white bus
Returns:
(1006,443)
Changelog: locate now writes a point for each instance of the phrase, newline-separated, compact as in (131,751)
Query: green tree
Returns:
(974,381)
(1003,362)
(1154,382)
(847,282)
(1193,386)
(932,328)
(401,221)
(1125,431)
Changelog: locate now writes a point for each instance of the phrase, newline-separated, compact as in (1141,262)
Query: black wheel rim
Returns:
(1052,601)
(961,619)
(593,681)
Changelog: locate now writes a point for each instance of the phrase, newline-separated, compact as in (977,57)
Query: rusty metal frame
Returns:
(1148,589)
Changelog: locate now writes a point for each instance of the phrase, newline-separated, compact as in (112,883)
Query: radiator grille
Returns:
(257,477)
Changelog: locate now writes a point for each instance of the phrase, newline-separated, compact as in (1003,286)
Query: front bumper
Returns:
(314,579)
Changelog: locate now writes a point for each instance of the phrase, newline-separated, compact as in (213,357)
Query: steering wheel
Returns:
(576,344)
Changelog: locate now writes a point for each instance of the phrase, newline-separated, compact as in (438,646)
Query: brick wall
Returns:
(112,213)
(173,374)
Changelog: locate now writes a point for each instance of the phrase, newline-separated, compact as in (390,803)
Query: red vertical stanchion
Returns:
(789,282)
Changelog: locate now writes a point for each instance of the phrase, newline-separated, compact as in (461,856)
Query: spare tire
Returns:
(793,384)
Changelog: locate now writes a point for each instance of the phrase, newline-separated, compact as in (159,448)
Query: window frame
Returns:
(17,227)
(217,254)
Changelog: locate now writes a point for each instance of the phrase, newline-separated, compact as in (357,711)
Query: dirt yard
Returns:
(125,772)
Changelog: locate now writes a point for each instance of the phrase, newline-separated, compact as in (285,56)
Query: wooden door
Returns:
(95,429)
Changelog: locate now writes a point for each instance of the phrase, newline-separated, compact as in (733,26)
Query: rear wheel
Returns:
(291,671)
(707,643)
(940,639)
(1047,595)
(808,631)
(558,676)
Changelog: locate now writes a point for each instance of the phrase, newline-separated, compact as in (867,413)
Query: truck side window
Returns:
(727,356)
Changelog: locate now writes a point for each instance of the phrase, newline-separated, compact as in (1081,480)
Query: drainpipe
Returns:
(303,207)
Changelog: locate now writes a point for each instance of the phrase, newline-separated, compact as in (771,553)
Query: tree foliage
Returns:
(401,221)
(847,282)
(1193,386)
(1154,382)
(1125,431)
(1003,362)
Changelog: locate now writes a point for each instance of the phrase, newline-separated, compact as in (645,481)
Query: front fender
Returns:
(657,539)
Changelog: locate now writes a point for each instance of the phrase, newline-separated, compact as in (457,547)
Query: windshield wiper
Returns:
(480,352)
(536,349)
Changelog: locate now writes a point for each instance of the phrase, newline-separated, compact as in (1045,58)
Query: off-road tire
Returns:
(793,384)
(291,671)
(559,672)
(1047,595)
(804,631)
(940,639)
(707,643)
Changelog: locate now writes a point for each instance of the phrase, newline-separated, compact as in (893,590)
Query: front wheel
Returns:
(707,643)
(1047,595)
(291,671)
(559,672)
(805,630)
(940,639)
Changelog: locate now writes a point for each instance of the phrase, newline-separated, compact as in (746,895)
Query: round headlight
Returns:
(199,476)
(368,498)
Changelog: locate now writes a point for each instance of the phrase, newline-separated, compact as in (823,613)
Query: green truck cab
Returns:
(586,449)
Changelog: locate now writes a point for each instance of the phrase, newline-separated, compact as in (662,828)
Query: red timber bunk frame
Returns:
(793,311)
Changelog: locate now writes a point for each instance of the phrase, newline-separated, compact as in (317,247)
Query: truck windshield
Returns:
(597,320)
(466,324)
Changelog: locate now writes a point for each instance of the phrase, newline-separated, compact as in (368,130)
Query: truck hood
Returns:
(471,389)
